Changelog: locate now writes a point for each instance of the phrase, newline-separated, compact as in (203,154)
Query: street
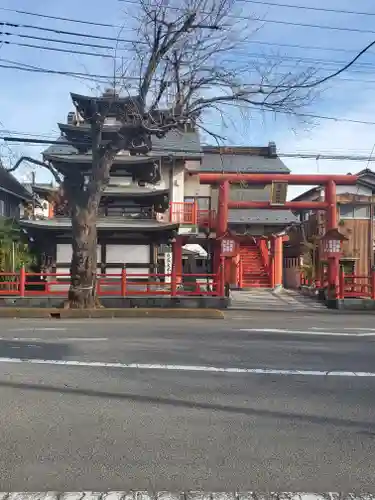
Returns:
(270,402)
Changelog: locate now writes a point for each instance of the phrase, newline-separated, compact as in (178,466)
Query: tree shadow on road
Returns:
(30,349)
(365,428)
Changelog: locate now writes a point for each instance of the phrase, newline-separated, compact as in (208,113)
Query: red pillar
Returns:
(178,257)
(222,209)
(278,261)
(216,244)
(331,223)
(272,261)
(222,277)
(22,284)
(176,264)
(222,227)
(330,198)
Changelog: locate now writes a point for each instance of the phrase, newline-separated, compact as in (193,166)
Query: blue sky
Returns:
(33,103)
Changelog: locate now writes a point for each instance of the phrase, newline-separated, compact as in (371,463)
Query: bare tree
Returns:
(190,58)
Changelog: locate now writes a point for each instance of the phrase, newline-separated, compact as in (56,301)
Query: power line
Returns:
(57,18)
(260,2)
(305,7)
(310,25)
(300,59)
(98,78)
(57,40)
(108,56)
(323,156)
(70,33)
(56,49)
(108,47)
(284,5)
(308,47)
(277,21)
(55,72)
(15,65)
(272,21)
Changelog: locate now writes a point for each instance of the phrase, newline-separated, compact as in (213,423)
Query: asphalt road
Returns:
(88,418)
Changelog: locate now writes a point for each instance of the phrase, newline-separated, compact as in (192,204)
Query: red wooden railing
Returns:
(179,212)
(355,286)
(265,254)
(189,213)
(24,284)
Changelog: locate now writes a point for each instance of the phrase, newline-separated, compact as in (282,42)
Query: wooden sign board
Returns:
(279,191)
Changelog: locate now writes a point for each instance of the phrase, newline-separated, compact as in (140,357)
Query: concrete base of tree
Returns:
(54,313)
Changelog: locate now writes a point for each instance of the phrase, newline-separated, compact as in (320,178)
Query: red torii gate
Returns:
(329,204)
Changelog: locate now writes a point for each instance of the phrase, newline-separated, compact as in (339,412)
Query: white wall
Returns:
(177,189)
(193,188)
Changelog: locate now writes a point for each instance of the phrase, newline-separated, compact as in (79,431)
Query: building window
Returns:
(362,212)
(306,216)
(348,211)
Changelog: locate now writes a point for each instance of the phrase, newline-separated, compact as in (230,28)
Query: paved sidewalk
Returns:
(264,299)
(165,495)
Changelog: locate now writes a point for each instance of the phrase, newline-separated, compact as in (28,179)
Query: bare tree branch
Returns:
(191,58)
(57,175)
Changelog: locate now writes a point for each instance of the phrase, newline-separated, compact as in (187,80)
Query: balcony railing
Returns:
(188,213)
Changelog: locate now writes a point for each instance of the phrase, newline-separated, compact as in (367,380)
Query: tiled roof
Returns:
(120,190)
(9,184)
(245,163)
(176,144)
(104,224)
(258,216)
(133,191)
(263,216)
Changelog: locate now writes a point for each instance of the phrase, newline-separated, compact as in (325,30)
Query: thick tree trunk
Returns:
(83,194)
(82,293)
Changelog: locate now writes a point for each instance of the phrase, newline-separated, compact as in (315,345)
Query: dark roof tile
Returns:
(245,163)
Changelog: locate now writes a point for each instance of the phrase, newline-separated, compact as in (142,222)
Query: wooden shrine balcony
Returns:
(184,213)
(189,214)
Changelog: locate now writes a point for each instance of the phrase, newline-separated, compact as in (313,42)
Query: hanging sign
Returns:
(168,266)
(228,247)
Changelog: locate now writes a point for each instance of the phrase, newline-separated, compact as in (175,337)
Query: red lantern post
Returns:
(332,252)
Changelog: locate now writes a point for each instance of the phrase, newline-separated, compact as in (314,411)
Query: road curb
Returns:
(48,313)
(302,312)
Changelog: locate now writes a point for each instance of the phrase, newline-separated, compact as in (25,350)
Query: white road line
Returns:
(42,329)
(51,339)
(307,332)
(187,368)
(345,328)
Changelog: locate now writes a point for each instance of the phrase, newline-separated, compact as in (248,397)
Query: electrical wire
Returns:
(300,155)
(289,23)
(306,7)
(58,18)
(58,40)
(95,54)
(19,66)
(250,18)
(70,33)
(260,2)
(308,47)
(56,49)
